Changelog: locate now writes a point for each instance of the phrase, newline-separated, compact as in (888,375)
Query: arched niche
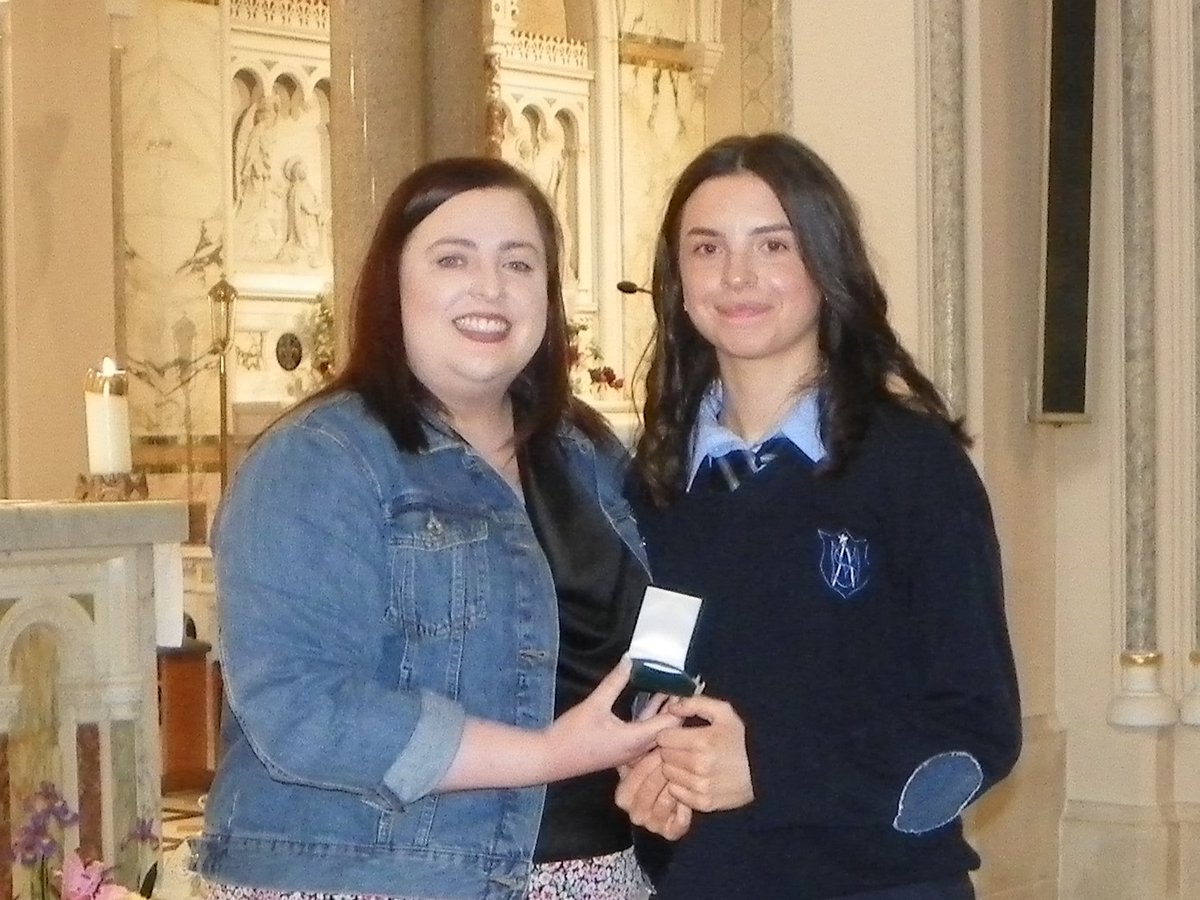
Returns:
(280,168)
(563,90)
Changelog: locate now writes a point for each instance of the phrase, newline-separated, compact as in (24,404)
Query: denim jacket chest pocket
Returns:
(439,562)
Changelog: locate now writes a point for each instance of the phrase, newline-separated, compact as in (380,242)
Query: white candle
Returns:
(107,409)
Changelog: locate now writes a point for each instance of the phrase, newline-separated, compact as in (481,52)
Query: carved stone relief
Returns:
(298,15)
(540,105)
(280,170)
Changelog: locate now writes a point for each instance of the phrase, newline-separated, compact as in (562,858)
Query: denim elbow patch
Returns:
(939,789)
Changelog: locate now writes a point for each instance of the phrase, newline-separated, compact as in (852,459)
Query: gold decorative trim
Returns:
(291,15)
(119,486)
(546,50)
(658,52)
(494,114)
(167,455)
(1141,658)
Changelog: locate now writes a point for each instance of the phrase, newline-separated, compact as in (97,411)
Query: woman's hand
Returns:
(643,793)
(589,737)
(706,767)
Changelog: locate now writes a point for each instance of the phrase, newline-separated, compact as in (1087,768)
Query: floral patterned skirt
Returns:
(616,876)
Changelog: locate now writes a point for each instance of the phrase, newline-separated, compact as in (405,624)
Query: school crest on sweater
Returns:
(845,562)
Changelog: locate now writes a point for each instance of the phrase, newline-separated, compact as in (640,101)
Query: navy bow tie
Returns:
(727,472)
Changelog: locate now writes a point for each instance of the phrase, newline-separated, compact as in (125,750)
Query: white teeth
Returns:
(484,324)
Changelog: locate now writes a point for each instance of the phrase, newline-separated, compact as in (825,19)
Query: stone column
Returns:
(6,197)
(944,163)
(1189,707)
(456,81)
(377,122)
(1140,700)
(409,85)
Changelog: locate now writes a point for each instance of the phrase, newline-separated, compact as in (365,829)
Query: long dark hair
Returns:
(861,357)
(378,369)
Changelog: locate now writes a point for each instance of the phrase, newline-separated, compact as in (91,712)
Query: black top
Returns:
(856,623)
(600,585)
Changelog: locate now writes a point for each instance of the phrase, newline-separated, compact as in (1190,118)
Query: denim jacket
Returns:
(369,601)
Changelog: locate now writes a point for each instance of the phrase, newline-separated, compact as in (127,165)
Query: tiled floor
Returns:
(183,817)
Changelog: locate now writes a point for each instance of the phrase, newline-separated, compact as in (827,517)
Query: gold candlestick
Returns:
(222,296)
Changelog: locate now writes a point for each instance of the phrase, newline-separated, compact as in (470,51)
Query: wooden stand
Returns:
(185,704)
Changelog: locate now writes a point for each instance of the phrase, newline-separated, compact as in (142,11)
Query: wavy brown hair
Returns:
(377,367)
(862,361)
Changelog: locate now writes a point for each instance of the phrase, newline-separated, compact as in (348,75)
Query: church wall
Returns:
(174,224)
(1130,826)
(741,97)
(59,314)
(723,101)
(853,71)
(546,17)
(662,119)
(662,127)
(1017,826)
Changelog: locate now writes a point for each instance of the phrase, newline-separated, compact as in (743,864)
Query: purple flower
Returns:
(141,832)
(37,839)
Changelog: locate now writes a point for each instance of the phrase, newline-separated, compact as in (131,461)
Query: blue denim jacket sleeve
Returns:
(302,580)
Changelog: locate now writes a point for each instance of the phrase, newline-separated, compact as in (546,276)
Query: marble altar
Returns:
(79,588)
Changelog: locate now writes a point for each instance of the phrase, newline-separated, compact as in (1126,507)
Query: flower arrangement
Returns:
(38,844)
(588,359)
(321,331)
(318,330)
(89,881)
(67,876)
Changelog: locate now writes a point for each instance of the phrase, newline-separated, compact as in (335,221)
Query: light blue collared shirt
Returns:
(801,426)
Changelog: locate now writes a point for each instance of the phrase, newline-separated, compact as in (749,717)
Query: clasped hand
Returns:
(692,769)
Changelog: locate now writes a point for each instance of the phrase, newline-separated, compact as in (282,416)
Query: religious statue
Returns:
(257,207)
(305,216)
(253,171)
(551,170)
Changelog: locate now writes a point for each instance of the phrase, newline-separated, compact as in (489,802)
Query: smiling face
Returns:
(745,286)
(473,288)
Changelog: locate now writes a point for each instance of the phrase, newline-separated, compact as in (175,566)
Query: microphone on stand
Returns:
(628,287)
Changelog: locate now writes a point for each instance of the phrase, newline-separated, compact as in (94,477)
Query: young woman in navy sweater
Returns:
(800,474)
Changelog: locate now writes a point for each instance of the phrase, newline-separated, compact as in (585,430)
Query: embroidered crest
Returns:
(845,562)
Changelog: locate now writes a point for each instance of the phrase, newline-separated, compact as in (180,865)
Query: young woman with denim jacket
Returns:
(427,576)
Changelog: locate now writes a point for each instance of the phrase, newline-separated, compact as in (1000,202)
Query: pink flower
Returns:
(88,881)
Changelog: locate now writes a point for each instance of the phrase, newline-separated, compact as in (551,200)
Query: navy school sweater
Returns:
(856,623)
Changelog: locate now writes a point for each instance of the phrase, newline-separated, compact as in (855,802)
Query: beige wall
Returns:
(1132,823)
(59,315)
(1018,825)
(854,102)
(723,98)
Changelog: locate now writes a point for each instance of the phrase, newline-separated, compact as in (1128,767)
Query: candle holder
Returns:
(116,486)
(110,462)
(222,296)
